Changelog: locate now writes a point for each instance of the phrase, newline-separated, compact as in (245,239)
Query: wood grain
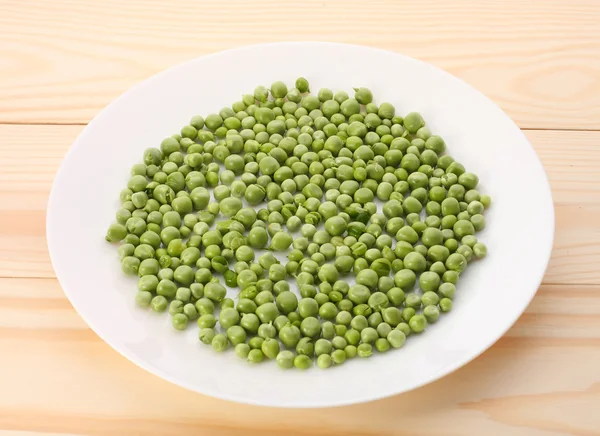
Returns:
(571,159)
(63,60)
(540,379)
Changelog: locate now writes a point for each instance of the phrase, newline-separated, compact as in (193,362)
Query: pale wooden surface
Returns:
(61,61)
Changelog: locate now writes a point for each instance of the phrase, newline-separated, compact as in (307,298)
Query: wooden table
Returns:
(61,61)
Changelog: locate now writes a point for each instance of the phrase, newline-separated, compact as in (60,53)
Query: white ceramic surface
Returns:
(491,294)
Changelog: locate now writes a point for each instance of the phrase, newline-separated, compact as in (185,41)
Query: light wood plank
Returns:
(542,379)
(571,159)
(62,61)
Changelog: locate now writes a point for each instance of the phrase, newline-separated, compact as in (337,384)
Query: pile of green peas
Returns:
(320,163)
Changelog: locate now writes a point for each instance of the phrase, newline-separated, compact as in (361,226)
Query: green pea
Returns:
(207,321)
(285,359)
(179,321)
(363,95)
(445,305)
(242,350)
(281,241)
(255,355)
(143,298)
(229,317)
(159,303)
(302,361)
(364,350)
(206,335)
(418,323)
(270,348)
(431,313)
(302,85)
(480,250)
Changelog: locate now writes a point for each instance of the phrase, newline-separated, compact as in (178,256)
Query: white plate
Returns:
(491,294)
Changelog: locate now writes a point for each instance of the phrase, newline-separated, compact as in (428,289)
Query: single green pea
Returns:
(270,348)
(445,305)
(429,281)
(179,321)
(229,317)
(396,338)
(206,335)
(302,361)
(289,335)
(305,346)
(281,241)
(207,321)
(466,251)
(338,357)
(363,95)
(116,232)
(267,312)
(267,331)
(486,200)
(302,85)
(480,250)
(130,265)
(143,298)
(159,303)
(285,359)
(324,361)
(175,307)
(364,350)
(415,261)
(255,355)
(369,335)
(339,342)
(242,350)
(456,262)
(287,302)
(431,313)
(418,323)
(280,322)
(279,89)
(310,327)
(447,290)
(382,345)
(250,322)
(478,222)
(375,319)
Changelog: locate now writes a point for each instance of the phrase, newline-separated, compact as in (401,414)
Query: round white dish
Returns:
(491,293)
